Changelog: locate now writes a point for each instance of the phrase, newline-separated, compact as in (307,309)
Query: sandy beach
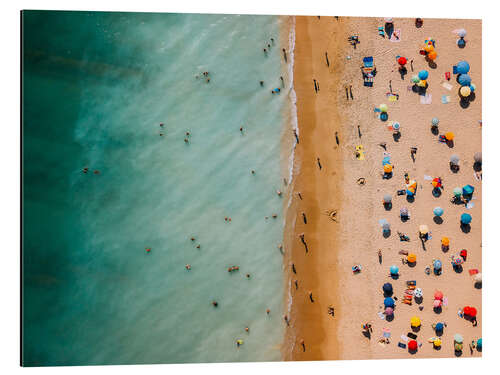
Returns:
(343,216)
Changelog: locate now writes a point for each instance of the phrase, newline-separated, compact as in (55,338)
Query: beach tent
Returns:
(415,321)
(438,211)
(437,264)
(464,79)
(411,258)
(465,218)
(412,345)
(394,270)
(387,288)
(438,294)
(388,302)
(463,67)
(468,189)
(458,338)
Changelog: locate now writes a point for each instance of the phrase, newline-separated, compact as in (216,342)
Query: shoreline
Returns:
(315,112)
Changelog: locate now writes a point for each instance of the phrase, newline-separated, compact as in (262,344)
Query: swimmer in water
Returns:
(278,192)
(188,267)
(85,170)
(215,303)
(268,311)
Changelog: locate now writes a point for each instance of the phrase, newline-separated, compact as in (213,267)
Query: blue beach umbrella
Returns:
(386,160)
(439,327)
(388,302)
(479,343)
(410,193)
(464,79)
(465,218)
(394,270)
(472,87)
(423,74)
(468,189)
(463,67)
(437,264)
(387,288)
(438,211)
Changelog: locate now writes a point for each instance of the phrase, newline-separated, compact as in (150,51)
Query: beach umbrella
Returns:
(458,338)
(423,229)
(464,79)
(394,270)
(465,91)
(412,345)
(478,277)
(386,227)
(387,198)
(466,310)
(383,107)
(412,184)
(402,60)
(396,126)
(445,241)
(436,182)
(461,33)
(415,79)
(432,55)
(435,121)
(389,311)
(479,344)
(438,294)
(415,321)
(388,19)
(439,327)
(437,303)
(478,157)
(387,168)
(404,212)
(410,192)
(386,160)
(418,293)
(437,264)
(463,67)
(472,312)
(437,343)
(457,192)
(457,260)
(438,211)
(388,302)
(454,159)
(423,74)
(472,87)
(468,189)
(428,48)
(411,258)
(465,218)
(387,288)
(449,136)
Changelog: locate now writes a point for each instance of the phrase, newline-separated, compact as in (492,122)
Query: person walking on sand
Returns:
(296,284)
(303,241)
(315,85)
(311,296)
(285,318)
(304,217)
(293,269)
(300,195)
(284,54)
(282,82)
(380,256)
(413,153)
(337,138)
(296,135)
(301,342)
(327,61)
(319,163)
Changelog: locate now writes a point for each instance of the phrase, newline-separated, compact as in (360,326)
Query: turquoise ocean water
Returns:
(96,87)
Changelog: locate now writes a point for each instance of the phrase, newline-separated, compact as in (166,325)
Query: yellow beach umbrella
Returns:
(465,91)
(449,136)
(422,83)
(411,258)
(423,229)
(437,343)
(445,241)
(415,321)
(387,168)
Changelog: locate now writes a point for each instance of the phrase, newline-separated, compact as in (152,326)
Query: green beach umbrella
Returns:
(457,192)
(415,79)
(458,338)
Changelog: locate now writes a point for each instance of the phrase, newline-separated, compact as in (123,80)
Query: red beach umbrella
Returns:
(402,60)
(438,295)
(467,310)
(412,345)
(472,312)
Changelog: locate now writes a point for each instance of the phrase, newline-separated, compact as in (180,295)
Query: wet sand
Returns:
(334,247)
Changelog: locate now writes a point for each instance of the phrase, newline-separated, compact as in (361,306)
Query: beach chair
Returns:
(368,70)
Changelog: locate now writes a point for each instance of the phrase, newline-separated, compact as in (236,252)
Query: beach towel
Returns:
(360,152)
(396,36)
(473,271)
(447,86)
(426,99)
(445,99)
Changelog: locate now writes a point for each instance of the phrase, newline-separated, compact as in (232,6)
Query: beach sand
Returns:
(334,247)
